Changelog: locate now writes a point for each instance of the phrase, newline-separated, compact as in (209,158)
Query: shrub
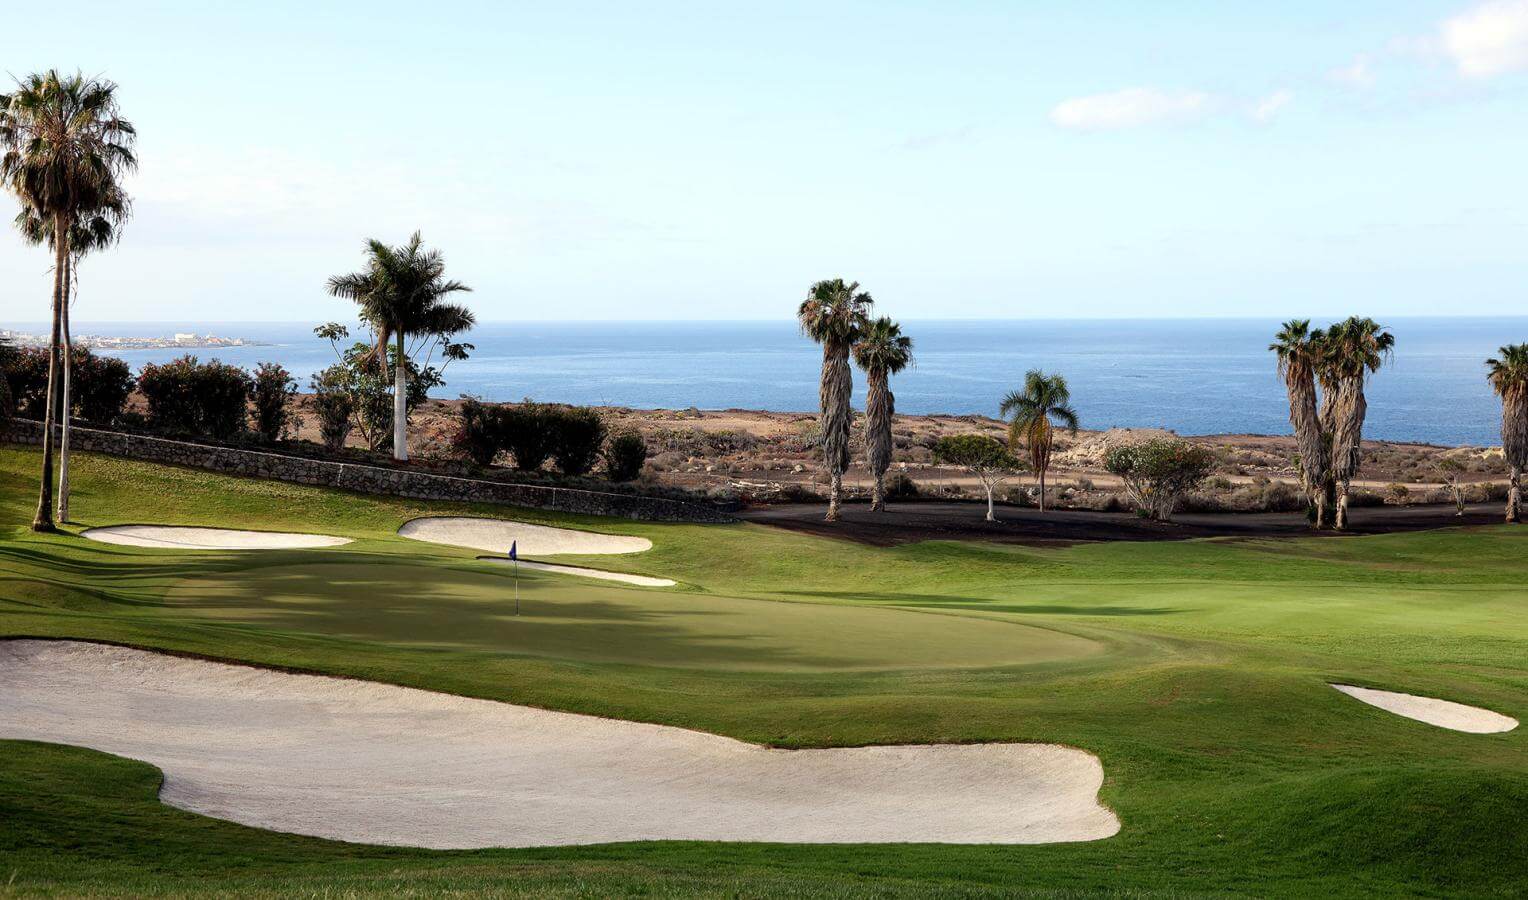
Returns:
(524,430)
(1157,473)
(26,374)
(625,455)
(1398,493)
(188,397)
(99,386)
(577,434)
(899,486)
(477,435)
(274,388)
(333,404)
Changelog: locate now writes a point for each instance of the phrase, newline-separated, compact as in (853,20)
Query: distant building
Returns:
(185,338)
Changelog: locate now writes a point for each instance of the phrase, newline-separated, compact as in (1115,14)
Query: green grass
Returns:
(1196,671)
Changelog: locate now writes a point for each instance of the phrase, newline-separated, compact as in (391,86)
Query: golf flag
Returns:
(512,545)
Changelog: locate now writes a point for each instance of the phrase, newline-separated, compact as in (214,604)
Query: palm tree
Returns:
(834,314)
(1509,376)
(1297,347)
(93,230)
(63,145)
(400,294)
(1350,351)
(881,351)
(1043,405)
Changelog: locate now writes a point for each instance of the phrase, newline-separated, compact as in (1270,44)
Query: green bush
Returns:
(577,434)
(98,385)
(1159,472)
(478,435)
(333,404)
(899,486)
(625,455)
(274,388)
(525,432)
(192,398)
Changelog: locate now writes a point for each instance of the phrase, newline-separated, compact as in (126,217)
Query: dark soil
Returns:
(942,521)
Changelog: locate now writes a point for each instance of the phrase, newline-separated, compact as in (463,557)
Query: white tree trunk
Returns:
(991,516)
(63,441)
(400,411)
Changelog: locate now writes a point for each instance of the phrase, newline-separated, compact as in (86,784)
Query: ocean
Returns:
(1195,376)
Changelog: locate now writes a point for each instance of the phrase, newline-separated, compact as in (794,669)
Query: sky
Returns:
(657,160)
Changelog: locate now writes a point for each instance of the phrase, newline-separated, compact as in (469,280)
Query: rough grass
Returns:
(1234,768)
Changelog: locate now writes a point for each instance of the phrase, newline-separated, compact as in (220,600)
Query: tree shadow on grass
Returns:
(944,601)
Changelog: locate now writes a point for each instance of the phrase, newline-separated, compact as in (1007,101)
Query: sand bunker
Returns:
(580,571)
(361,761)
(495,536)
(1442,713)
(189,538)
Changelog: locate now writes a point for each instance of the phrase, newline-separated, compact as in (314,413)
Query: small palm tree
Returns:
(93,230)
(1508,375)
(881,351)
(1297,348)
(1043,405)
(834,314)
(401,294)
(63,145)
(1350,351)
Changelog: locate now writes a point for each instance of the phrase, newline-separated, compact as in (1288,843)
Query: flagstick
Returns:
(517,585)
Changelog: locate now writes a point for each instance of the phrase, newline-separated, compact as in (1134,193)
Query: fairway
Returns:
(471,607)
(1197,673)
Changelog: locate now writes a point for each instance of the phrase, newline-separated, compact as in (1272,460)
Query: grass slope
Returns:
(1195,670)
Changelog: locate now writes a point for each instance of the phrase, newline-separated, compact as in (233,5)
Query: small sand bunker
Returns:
(495,536)
(191,538)
(1442,713)
(580,571)
(360,761)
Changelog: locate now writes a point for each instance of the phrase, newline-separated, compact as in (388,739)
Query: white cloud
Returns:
(1357,74)
(1271,105)
(1489,40)
(1130,108)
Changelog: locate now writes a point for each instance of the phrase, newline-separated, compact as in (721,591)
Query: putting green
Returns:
(461,608)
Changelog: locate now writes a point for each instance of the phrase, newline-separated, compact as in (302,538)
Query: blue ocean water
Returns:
(1196,376)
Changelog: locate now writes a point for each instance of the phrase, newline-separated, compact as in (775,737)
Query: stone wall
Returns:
(367,479)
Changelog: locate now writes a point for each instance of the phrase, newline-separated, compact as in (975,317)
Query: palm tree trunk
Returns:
(1342,504)
(1514,495)
(65,408)
(1042,490)
(400,405)
(878,412)
(43,520)
(837,382)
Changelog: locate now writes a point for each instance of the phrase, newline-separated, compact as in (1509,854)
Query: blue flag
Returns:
(512,545)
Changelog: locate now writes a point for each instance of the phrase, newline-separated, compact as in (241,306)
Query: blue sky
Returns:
(660,160)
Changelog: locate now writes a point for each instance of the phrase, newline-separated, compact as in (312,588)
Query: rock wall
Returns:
(367,479)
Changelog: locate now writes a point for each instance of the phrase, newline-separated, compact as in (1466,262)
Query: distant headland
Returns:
(187,341)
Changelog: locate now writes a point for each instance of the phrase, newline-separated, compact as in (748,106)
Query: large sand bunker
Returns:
(191,538)
(495,536)
(1442,713)
(361,761)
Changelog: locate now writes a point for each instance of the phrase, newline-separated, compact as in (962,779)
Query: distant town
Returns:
(104,342)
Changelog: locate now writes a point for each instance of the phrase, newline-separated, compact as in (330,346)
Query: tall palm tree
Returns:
(401,293)
(1298,347)
(1043,405)
(1350,351)
(834,314)
(881,351)
(93,230)
(1509,376)
(63,144)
